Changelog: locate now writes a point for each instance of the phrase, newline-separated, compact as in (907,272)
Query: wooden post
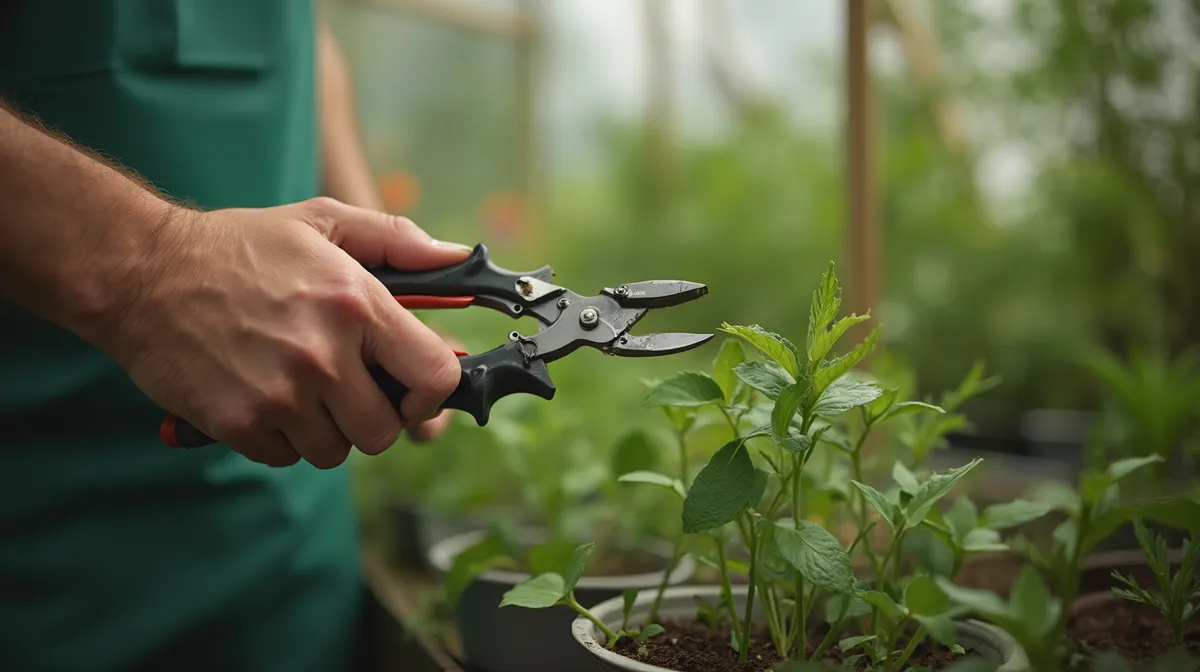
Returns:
(863,259)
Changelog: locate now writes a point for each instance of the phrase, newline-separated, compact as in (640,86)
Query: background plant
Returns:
(1177,594)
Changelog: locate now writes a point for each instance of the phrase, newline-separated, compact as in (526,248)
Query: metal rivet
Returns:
(564,302)
(624,340)
(588,317)
(622,290)
(514,336)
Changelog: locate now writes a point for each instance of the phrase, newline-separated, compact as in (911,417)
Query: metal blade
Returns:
(656,293)
(654,345)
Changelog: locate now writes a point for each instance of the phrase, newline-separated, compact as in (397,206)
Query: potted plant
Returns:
(576,498)
(790,457)
(1039,612)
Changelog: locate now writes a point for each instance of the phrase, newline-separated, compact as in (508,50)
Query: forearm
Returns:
(71,227)
(346,174)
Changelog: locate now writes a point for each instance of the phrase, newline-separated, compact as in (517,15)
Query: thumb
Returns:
(374,238)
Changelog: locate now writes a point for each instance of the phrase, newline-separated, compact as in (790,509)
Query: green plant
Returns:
(789,445)
(1177,595)
(1036,615)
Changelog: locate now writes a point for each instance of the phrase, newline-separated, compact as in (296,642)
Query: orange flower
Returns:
(399,190)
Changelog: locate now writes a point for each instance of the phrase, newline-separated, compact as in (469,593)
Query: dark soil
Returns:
(1136,632)
(692,646)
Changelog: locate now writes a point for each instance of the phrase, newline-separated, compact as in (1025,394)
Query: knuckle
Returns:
(349,302)
(443,377)
(234,421)
(274,397)
(331,456)
(312,358)
(322,206)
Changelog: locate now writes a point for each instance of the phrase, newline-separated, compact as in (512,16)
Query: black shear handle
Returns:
(486,378)
(476,275)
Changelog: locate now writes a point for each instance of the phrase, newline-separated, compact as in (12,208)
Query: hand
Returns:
(259,325)
(431,429)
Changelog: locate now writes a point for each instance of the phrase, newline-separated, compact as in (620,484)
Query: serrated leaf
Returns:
(886,605)
(777,348)
(904,478)
(940,628)
(785,408)
(578,564)
(686,388)
(721,490)
(878,500)
(923,597)
(816,554)
(854,642)
(844,394)
(539,592)
(908,408)
(962,517)
(1011,514)
(635,452)
(826,302)
(938,486)
(836,368)
(730,355)
(654,478)
(766,377)
(795,442)
(826,338)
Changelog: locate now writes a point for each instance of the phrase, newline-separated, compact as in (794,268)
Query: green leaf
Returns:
(938,486)
(1031,602)
(472,561)
(652,630)
(635,452)
(1096,483)
(795,442)
(825,340)
(766,377)
(1181,513)
(962,517)
(539,592)
(983,602)
(1122,468)
(760,487)
(1112,662)
(854,642)
(777,348)
(887,606)
(816,554)
(687,388)
(878,500)
(836,602)
(578,564)
(908,408)
(628,597)
(982,540)
(654,478)
(826,302)
(1011,514)
(904,478)
(940,628)
(552,557)
(785,408)
(838,367)
(721,490)
(731,354)
(923,597)
(844,394)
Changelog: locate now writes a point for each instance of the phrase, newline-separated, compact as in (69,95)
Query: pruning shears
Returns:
(566,322)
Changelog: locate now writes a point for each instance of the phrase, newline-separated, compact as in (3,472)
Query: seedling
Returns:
(1177,595)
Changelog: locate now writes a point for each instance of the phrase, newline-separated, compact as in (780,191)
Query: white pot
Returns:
(679,604)
(514,639)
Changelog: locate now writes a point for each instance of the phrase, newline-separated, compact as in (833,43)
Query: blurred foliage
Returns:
(1097,253)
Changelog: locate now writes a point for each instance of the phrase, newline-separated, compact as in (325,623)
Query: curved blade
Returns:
(654,345)
(656,293)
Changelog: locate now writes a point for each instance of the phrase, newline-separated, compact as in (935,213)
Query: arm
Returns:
(250,323)
(346,174)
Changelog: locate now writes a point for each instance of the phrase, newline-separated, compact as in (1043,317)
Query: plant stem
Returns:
(723,568)
(798,617)
(744,654)
(912,646)
(677,553)
(774,625)
(834,629)
(611,637)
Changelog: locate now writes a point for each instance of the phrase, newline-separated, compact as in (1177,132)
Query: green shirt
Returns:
(116,552)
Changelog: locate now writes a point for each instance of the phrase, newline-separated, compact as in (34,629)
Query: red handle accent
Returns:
(166,432)
(435,302)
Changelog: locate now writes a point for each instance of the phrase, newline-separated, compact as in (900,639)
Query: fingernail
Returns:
(452,246)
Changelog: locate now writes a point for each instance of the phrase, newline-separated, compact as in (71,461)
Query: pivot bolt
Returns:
(564,302)
(588,317)
(622,290)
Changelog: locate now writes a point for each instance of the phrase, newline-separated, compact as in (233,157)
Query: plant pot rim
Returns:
(442,554)
(609,611)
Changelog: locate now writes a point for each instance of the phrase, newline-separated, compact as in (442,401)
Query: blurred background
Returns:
(1025,179)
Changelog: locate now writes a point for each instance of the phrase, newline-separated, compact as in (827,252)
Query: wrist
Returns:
(103,296)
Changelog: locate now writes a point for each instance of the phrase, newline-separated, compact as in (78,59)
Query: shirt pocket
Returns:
(227,37)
